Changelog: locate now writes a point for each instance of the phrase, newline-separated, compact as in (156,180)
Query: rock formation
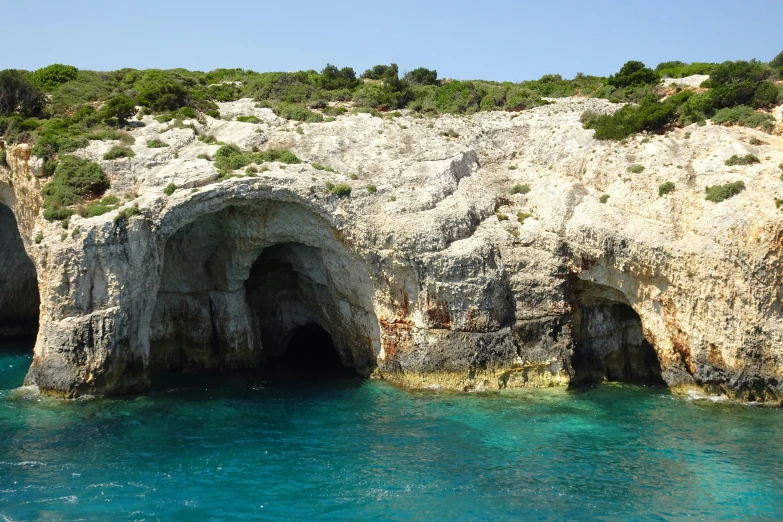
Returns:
(434,272)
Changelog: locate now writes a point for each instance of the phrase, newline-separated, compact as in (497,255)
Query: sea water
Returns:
(241,448)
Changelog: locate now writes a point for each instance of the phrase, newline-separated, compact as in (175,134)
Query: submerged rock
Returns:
(433,271)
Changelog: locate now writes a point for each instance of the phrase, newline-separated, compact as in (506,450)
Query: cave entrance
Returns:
(609,342)
(19,301)
(295,308)
(268,286)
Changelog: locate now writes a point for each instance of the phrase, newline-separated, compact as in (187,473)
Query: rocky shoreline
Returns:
(475,252)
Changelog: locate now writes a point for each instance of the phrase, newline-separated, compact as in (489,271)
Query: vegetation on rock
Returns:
(665,188)
(74,180)
(718,193)
(747,159)
(85,104)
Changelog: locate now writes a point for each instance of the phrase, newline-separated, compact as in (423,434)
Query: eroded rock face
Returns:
(431,273)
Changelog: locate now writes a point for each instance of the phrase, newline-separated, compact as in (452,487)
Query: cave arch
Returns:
(236,285)
(19,300)
(608,339)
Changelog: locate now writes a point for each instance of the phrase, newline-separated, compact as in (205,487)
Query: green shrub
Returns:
(98,208)
(51,76)
(120,107)
(368,110)
(636,169)
(501,216)
(747,159)
(379,72)
(229,157)
(39,237)
(604,198)
(451,133)
(160,91)
(744,115)
(118,152)
(156,144)
(519,189)
(718,193)
(522,216)
(296,112)
(372,189)
(680,69)
(634,73)
(334,111)
(737,83)
(18,94)
(213,113)
(777,61)
(248,119)
(170,188)
(126,213)
(3,161)
(422,76)
(665,188)
(341,190)
(74,180)
(631,119)
(89,86)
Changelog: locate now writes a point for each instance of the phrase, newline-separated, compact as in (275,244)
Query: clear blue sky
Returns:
(493,40)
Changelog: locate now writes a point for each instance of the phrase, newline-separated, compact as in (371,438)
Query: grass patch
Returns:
(372,189)
(341,190)
(170,188)
(522,216)
(118,152)
(156,144)
(636,169)
(248,119)
(98,208)
(604,198)
(126,213)
(519,189)
(665,188)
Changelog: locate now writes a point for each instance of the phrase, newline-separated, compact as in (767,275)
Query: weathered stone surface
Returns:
(423,281)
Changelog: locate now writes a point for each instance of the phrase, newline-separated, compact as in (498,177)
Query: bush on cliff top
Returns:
(51,76)
(75,179)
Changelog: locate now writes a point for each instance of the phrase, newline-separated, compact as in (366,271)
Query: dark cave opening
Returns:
(19,301)
(311,353)
(609,344)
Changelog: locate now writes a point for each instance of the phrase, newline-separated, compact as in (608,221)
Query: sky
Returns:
(501,40)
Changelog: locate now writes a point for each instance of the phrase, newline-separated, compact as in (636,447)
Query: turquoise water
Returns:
(243,449)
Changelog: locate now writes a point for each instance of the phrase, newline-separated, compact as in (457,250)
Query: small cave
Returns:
(266,287)
(609,342)
(310,354)
(292,304)
(19,301)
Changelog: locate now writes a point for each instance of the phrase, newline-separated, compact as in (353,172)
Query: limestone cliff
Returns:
(432,272)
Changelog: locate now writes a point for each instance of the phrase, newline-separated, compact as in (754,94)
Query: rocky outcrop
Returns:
(432,273)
